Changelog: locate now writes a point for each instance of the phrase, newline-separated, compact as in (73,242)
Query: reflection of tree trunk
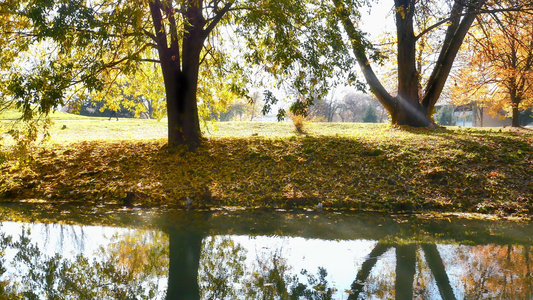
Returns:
(366,268)
(437,268)
(528,274)
(405,271)
(185,248)
(185,245)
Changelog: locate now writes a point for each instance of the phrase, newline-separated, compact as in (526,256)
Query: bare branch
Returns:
(217,18)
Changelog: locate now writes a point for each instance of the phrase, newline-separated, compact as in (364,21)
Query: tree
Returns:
(503,62)
(412,106)
(354,106)
(236,111)
(300,48)
(474,92)
(77,48)
(444,115)
(369,115)
(325,108)
(241,108)
(93,44)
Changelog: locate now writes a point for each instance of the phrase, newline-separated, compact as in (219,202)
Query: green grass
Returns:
(71,128)
(68,127)
(13,114)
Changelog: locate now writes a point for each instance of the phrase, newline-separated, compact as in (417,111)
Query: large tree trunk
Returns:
(180,63)
(515,100)
(180,83)
(180,89)
(407,108)
(516,115)
(183,122)
(182,109)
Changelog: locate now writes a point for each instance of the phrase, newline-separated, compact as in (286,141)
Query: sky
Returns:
(379,19)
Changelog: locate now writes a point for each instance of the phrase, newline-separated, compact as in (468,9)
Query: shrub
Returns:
(370,115)
(444,116)
(298,121)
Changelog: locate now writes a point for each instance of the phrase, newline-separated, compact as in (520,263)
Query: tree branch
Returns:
(174,41)
(157,19)
(453,41)
(356,39)
(217,18)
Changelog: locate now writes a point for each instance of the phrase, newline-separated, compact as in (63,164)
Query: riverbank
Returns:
(360,167)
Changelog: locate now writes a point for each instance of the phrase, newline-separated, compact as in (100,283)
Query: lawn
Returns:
(254,164)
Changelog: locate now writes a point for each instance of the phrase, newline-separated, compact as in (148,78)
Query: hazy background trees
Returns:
(350,107)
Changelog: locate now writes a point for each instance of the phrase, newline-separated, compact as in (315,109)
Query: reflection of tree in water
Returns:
(477,272)
(54,277)
(224,274)
(6,288)
(495,272)
(417,266)
(271,279)
(134,265)
(222,264)
(76,234)
(269,276)
(378,285)
(140,253)
(317,287)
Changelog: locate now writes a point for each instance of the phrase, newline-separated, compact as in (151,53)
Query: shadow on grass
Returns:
(444,171)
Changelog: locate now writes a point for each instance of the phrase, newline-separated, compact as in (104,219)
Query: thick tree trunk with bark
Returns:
(183,122)
(180,73)
(179,54)
(515,95)
(408,110)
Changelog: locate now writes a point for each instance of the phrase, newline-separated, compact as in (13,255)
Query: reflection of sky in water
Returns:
(66,240)
(341,259)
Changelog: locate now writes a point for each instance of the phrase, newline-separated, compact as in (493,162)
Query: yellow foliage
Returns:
(298,121)
(497,71)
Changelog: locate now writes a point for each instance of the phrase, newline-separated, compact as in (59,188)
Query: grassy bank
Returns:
(344,166)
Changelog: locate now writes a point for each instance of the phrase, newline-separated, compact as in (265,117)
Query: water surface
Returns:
(263,255)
